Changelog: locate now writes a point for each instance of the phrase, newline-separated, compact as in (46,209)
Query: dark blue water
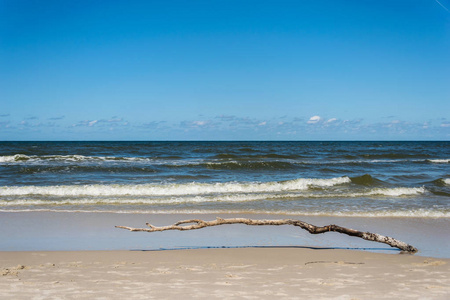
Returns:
(408,179)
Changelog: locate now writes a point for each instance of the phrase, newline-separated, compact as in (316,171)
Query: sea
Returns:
(351,179)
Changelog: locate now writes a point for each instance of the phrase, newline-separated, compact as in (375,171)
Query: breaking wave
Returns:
(366,180)
(394,156)
(439,161)
(441,182)
(412,213)
(68,158)
(193,188)
(112,197)
(195,193)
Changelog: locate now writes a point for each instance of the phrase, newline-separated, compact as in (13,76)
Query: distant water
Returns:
(369,179)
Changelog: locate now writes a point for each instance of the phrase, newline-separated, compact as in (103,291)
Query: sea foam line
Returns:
(22,158)
(217,198)
(70,158)
(439,161)
(415,213)
(171,189)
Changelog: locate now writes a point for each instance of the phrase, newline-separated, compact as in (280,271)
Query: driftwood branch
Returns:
(198,224)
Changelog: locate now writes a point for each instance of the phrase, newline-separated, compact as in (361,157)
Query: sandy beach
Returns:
(82,255)
(224,150)
(250,273)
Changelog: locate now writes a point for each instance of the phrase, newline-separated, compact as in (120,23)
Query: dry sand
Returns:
(247,273)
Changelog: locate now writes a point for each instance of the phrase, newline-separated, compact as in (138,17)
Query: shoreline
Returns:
(62,231)
(54,255)
(263,273)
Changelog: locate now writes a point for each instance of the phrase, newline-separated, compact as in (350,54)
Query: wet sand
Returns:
(63,231)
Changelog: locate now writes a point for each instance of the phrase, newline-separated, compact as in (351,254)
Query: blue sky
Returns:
(225,70)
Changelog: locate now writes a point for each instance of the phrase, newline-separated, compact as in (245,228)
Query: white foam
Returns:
(20,158)
(446,181)
(17,158)
(14,158)
(167,194)
(133,201)
(440,161)
(168,200)
(171,189)
(417,213)
(164,201)
(395,192)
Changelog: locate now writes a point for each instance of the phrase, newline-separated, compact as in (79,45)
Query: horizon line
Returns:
(31,141)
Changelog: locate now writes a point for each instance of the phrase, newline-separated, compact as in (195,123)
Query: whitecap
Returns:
(440,161)
(193,188)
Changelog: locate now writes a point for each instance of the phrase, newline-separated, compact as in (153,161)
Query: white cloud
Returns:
(314,119)
(262,123)
(199,123)
(114,121)
(331,120)
(445,125)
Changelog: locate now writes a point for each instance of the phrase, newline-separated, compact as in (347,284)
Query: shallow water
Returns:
(56,231)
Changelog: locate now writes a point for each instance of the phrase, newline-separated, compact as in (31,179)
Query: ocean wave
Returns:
(414,213)
(440,193)
(269,164)
(366,180)
(394,155)
(417,213)
(250,165)
(193,188)
(68,158)
(14,158)
(86,169)
(104,195)
(396,192)
(259,156)
(222,161)
(135,201)
(114,199)
(439,161)
(224,158)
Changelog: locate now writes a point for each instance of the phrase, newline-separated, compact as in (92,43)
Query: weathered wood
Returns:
(198,224)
